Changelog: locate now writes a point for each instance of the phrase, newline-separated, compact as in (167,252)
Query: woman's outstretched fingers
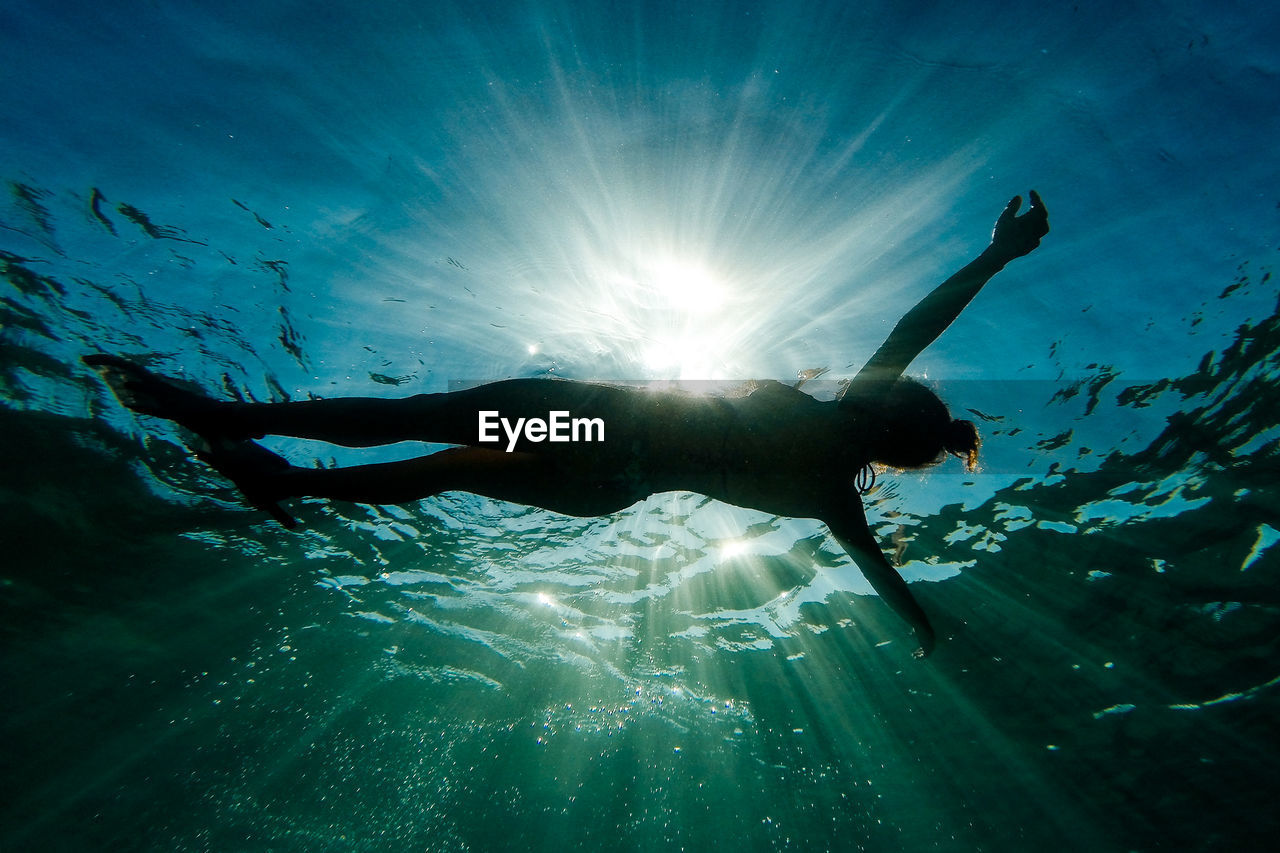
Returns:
(1014,235)
(1009,213)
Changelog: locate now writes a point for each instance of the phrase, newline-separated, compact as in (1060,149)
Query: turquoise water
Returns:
(385,199)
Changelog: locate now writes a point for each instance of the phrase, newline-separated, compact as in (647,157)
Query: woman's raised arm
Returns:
(1013,237)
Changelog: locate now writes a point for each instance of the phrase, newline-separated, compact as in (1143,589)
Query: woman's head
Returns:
(911,428)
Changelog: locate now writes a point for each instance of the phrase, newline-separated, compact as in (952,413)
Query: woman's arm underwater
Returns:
(1013,237)
(849,526)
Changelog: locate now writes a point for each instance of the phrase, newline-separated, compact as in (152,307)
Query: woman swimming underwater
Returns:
(777,449)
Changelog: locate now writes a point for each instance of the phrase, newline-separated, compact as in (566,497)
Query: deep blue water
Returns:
(284,199)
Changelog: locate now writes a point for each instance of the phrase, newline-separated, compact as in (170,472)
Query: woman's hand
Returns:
(1015,236)
(924,633)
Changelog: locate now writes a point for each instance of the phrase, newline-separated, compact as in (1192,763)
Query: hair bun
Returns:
(963,440)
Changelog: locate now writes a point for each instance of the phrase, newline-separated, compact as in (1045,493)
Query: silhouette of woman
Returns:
(777,449)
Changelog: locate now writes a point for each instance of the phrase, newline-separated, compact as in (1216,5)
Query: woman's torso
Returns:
(777,449)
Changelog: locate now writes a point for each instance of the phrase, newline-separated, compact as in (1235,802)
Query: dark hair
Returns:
(911,428)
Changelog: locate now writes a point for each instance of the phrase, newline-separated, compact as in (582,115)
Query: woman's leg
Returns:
(523,478)
(448,418)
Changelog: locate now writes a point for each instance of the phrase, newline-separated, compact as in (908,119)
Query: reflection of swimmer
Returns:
(777,450)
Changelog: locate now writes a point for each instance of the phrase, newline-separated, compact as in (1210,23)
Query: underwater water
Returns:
(277,200)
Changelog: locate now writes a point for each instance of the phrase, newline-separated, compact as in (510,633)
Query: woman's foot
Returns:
(144,392)
(258,473)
